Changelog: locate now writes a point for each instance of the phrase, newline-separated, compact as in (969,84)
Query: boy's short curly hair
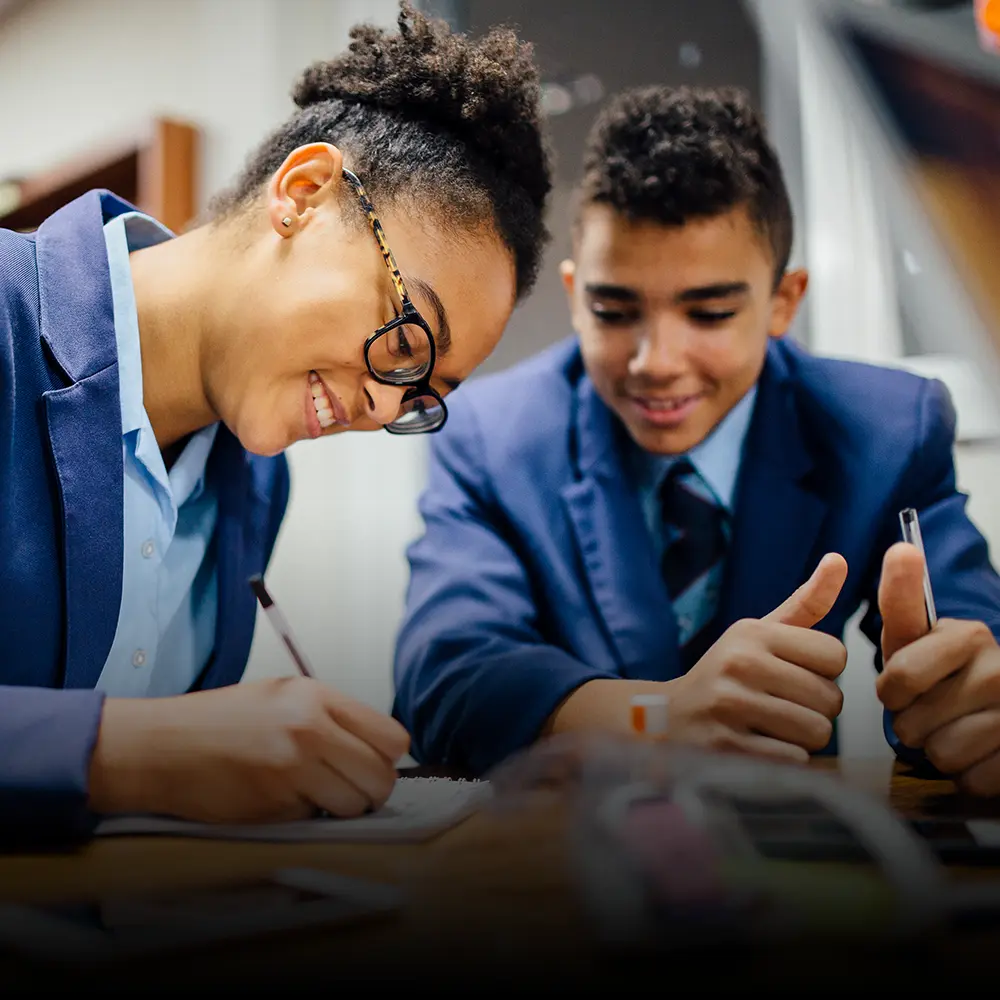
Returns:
(673,154)
(428,116)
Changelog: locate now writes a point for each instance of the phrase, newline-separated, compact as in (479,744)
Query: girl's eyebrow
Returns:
(442,339)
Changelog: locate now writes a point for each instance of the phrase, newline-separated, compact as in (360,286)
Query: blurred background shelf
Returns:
(155,170)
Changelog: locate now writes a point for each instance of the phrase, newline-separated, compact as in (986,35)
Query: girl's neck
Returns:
(173,294)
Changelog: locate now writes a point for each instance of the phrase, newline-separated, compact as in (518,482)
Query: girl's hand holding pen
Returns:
(275,750)
(270,750)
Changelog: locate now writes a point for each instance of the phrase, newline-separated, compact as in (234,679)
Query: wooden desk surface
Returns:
(492,888)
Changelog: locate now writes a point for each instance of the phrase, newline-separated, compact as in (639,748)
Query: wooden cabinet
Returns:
(156,170)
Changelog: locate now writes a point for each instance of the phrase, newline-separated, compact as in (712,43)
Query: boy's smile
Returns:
(666,410)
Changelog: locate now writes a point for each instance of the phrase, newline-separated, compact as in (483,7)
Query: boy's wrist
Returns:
(602,704)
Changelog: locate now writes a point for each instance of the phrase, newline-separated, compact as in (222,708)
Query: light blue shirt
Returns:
(166,622)
(717,461)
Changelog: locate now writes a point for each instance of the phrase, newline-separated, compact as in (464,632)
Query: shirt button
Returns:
(138,658)
(148,548)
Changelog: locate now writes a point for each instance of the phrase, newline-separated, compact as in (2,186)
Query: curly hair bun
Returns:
(485,92)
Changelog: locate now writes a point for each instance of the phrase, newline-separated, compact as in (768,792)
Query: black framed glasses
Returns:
(402,352)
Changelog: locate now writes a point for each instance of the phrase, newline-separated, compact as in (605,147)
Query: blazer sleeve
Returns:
(475,681)
(47,738)
(966,586)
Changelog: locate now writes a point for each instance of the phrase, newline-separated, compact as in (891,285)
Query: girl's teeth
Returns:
(321,402)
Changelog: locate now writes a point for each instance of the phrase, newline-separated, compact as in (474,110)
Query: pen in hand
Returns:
(911,533)
(280,625)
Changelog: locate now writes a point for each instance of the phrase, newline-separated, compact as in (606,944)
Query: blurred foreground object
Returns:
(672,847)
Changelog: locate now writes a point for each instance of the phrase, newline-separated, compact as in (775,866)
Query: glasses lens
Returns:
(418,416)
(401,355)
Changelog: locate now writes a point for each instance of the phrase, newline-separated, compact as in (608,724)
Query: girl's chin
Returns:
(264,445)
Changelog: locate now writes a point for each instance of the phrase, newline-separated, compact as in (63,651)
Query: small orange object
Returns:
(639,718)
(649,714)
(988,23)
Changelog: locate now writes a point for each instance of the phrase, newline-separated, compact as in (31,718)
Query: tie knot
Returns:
(682,484)
(680,468)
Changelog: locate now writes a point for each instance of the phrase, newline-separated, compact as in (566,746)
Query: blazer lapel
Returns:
(84,422)
(84,425)
(615,547)
(778,513)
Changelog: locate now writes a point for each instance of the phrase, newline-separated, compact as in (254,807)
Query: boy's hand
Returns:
(943,684)
(768,686)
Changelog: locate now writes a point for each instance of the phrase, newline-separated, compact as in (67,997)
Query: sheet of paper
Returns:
(418,809)
(985,832)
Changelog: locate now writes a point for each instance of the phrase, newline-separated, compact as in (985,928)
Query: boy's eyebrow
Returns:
(722,290)
(620,293)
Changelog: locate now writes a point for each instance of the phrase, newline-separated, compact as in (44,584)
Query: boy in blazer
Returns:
(680,499)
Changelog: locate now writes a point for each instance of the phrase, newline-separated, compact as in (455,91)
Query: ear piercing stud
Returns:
(286,222)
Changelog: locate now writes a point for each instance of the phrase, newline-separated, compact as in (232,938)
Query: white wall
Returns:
(75,72)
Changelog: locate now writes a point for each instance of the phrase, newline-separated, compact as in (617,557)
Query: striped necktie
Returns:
(693,556)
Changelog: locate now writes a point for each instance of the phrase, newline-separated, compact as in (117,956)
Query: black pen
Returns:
(279,623)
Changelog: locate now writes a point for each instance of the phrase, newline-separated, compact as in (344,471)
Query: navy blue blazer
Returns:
(536,571)
(61,518)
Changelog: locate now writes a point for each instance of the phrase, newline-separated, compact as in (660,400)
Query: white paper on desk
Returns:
(985,832)
(417,809)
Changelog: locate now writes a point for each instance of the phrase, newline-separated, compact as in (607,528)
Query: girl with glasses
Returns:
(151,383)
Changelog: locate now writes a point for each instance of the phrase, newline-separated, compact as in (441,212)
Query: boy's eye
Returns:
(709,317)
(613,316)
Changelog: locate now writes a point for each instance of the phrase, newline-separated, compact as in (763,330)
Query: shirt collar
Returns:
(123,234)
(186,480)
(716,459)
